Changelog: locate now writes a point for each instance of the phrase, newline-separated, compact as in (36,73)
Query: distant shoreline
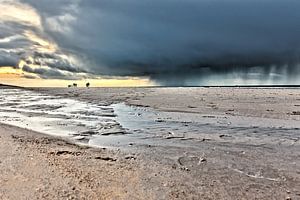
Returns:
(189,86)
(204,86)
(9,86)
(229,86)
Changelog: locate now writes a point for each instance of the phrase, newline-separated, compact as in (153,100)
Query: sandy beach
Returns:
(157,143)
(150,100)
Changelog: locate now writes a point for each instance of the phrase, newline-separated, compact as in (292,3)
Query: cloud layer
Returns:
(174,42)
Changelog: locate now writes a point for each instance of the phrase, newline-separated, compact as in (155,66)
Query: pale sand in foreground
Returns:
(35,166)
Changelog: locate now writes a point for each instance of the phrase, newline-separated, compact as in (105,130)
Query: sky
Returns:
(149,42)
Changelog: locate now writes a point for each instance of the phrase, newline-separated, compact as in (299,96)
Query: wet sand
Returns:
(238,144)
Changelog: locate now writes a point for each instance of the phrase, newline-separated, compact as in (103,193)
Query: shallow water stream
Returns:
(120,125)
(106,126)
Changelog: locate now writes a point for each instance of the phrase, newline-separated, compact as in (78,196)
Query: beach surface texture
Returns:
(149,143)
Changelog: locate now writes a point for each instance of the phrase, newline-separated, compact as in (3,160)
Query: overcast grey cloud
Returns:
(174,42)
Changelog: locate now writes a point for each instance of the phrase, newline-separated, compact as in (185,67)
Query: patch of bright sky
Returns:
(11,76)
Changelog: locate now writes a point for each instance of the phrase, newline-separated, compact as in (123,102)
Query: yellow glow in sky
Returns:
(9,70)
(12,76)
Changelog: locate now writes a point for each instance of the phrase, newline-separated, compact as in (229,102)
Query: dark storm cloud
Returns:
(42,71)
(12,43)
(49,73)
(174,40)
(29,76)
(6,59)
(54,61)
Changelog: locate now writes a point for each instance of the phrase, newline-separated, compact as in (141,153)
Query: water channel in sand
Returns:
(120,125)
(104,126)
